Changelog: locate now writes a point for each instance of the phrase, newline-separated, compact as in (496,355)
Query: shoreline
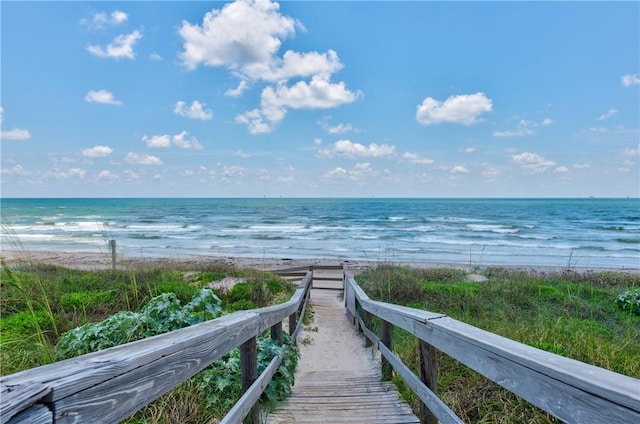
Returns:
(87,260)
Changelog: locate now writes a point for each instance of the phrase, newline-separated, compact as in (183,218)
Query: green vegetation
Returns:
(589,317)
(50,313)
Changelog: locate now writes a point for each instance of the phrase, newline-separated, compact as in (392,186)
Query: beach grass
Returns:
(572,314)
(40,303)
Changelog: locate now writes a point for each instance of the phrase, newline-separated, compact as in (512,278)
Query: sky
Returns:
(257,98)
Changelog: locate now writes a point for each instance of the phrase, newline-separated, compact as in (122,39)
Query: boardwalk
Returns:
(338,380)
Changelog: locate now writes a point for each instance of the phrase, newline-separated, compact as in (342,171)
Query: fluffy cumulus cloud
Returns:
(459,169)
(630,79)
(101,96)
(120,48)
(532,162)
(349,149)
(97,151)
(181,140)
(136,159)
(195,111)
(461,109)
(245,37)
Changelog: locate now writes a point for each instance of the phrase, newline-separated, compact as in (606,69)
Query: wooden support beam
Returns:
(249,374)
(429,376)
(385,338)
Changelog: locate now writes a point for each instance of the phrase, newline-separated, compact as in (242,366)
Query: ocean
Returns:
(597,233)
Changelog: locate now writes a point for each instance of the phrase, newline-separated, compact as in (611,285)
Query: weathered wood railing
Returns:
(109,385)
(570,390)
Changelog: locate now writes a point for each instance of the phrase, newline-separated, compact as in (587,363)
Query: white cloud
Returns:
(102,19)
(339,129)
(462,109)
(630,79)
(120,47)
(137,159)
(547,121)
(349,149)
(561,169)
(244,37)
(157,141)
(15,134)
(155,57)
(523,130)
(181,140)
(17,169)
(416,159)
(607,115)
(319,93)
(631,152)
(237,92)
(240,34)
(336,173)
(195,111)
(581,166)
(459,169)
(106,175)
(470,150)
(242,154)
(520,132)
(165,140)
(101,96)
(70,173)
(532,162)
(97,151)
(359,172)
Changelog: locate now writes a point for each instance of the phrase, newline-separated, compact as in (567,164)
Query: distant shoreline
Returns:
(98,261)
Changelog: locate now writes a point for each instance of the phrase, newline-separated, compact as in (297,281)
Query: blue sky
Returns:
(320,99)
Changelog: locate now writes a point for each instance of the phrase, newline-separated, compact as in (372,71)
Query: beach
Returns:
(101,261)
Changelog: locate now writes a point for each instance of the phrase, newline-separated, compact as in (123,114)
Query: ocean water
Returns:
(478,232)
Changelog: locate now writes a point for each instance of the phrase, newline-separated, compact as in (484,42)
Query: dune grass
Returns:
(571,314)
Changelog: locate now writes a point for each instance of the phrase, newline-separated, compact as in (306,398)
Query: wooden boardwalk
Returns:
(338,379)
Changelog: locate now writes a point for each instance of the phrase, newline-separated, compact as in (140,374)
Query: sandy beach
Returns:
(102,260)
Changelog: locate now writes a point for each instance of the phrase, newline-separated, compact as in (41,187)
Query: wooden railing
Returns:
(570,390)
(110,385)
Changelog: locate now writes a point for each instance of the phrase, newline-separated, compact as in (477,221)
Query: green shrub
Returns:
(162,314)
(629,301)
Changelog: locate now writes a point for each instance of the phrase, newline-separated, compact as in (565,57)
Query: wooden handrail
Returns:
(568,389)
(110,385)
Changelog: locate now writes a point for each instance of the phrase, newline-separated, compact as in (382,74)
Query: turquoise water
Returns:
(557,232)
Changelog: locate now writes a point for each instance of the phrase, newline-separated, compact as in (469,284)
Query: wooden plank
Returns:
(18,397)
(37,414)
(385,340)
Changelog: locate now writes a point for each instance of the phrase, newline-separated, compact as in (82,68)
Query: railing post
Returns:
(249,374)
(366,317)
(112,246)
(292,324)
(429,376)
(276,333)
(385,337)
